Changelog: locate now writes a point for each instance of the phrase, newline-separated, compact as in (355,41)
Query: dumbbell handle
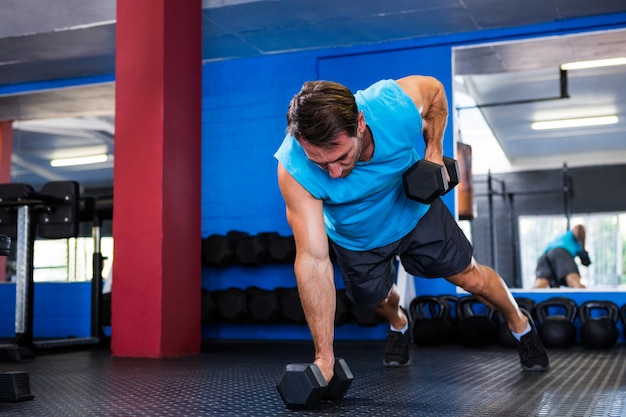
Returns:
(340,382)
(302,385)
(452,168)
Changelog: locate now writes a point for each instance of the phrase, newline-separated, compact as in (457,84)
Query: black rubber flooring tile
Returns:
(239,379)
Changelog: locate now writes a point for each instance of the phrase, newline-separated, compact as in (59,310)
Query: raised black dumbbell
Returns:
(302,385)
(584,257)
(425,181)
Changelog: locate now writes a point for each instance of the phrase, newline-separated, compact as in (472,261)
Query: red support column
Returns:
(6,149)
(156,221)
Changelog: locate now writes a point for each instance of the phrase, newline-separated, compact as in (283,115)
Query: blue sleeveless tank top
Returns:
(368,208)
(566,241)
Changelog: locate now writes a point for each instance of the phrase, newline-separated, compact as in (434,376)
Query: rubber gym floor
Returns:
(239,379)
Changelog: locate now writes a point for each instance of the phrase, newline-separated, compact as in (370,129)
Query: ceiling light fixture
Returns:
(594,64)
(580,122)
(81,160)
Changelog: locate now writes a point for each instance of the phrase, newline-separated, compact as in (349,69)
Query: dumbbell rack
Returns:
(23,344)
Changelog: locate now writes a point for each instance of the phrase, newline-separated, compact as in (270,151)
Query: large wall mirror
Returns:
(533,112)
(63,134)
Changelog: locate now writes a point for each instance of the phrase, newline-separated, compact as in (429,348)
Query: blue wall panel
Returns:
(60,310)
(244,106)
(7,310)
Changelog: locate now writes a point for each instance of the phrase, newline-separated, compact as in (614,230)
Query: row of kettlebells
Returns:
(445,319)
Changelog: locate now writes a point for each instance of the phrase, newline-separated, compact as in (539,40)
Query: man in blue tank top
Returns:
(340,173)
(557,265)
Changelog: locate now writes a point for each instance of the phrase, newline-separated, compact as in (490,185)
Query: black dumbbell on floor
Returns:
(302,385)
(425,181)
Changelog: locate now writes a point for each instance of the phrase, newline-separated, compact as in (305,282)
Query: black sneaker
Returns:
(532,354)
(397,347)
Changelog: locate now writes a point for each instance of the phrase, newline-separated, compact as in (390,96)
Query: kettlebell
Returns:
(556,317)
(476,325)
(598,331)
(430,326)
(452,319)
(527,304)
(504,333)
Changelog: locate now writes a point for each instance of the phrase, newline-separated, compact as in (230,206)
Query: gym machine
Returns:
(508,196)
(53,213)
(14,385)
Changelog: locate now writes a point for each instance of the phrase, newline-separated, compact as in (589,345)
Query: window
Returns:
(605,242)
(69,260)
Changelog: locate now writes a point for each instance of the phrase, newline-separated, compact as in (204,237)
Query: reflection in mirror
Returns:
(605,241)
(61,149)
(500,92)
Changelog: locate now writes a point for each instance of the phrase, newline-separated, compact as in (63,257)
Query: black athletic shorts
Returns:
(435,248)
(555,265)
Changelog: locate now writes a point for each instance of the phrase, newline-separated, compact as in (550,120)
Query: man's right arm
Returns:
(313,268)
(429,97)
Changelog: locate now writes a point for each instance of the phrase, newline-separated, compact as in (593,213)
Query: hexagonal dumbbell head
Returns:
(424,181)
(301,386)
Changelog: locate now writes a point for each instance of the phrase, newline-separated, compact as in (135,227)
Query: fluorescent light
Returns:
(594,64)
(81,160)
(580,122)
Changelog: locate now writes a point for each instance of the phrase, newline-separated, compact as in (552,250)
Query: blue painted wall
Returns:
(60,310)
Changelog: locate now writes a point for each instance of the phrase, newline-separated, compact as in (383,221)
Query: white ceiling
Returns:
(76,38)
(520,83)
